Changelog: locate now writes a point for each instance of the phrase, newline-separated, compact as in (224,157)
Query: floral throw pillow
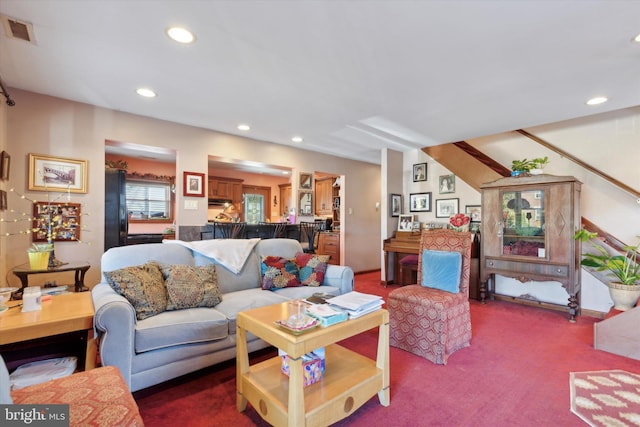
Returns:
(143,286)
(312,268)
(278,272)
(190,287)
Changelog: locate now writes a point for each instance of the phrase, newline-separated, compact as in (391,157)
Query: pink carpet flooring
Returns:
(516,373)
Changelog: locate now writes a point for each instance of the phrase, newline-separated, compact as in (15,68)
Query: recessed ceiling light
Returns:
(597,100)
(297,139)
(244,127)
(181,35)
(146,92)
(285,172)
(637,38)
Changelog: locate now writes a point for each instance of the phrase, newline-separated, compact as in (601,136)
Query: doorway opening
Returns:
(256,204)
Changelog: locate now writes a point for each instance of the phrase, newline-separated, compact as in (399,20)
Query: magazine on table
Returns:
(357,303)
(319,298)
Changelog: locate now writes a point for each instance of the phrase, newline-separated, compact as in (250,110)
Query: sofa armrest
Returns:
(114,321)
(339,276)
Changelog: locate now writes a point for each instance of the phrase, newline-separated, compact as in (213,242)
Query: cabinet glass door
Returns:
(523,223)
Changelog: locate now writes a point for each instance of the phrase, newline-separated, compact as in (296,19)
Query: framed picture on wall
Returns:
(193,184)
(419,172)
(420,202)
(62,220)
(395,204)
(61,174)
(5,164)
(447,184)
(474,212)
(447,207)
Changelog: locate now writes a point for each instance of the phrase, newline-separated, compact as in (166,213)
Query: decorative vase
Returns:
(38,260)
(536,171)
(624,297)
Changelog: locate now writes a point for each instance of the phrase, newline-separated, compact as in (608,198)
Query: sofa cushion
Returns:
(190,287)
(143,286)
(311,268)
(249,277)
(235,302)
(178,327)
(441,270)
(279,272)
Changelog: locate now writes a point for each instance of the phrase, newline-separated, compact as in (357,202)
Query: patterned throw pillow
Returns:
(278,273)
(312,268)
(143,286)
(190,287)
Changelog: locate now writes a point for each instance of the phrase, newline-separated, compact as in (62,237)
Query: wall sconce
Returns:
(275,201)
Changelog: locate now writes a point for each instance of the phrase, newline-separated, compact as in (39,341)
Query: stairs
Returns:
(467,163)
(619,333)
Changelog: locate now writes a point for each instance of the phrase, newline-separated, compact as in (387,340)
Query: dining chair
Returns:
(232,230)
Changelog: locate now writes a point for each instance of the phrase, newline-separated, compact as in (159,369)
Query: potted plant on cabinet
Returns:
(624,289)
(528,167)
(538,164)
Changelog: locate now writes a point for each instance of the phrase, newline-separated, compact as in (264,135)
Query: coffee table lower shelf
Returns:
(350,379)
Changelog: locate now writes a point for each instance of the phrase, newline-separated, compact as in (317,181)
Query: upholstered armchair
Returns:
(432,318)
(98,397)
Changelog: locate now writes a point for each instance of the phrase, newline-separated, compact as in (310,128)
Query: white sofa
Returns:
(174,343)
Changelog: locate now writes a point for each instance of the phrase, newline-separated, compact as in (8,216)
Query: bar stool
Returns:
(408,263)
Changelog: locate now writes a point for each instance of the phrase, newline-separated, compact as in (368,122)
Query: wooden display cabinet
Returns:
(528,225)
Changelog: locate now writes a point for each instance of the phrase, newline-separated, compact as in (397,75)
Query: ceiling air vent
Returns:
(16,29)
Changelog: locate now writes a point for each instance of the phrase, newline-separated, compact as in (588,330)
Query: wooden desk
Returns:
(63,318)
(407,242)
(80,269)
(349,381)
(401,243)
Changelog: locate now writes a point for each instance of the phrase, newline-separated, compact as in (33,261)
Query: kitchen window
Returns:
(149,201)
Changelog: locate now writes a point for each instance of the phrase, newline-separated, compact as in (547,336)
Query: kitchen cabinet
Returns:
(329,244)
(324,197)
(225,188)
(286,199)
(528,225)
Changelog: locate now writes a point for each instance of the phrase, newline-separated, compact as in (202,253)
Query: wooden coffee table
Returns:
(350,379)
(63,319)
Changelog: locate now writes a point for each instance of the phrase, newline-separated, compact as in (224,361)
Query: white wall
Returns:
(465,194)
(3,186)
(52,126)
(392,171)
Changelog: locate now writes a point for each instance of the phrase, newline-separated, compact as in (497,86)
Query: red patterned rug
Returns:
(606,398)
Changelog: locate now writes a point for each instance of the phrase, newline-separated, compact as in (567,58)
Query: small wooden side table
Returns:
(80,269)
(350,379)
(65,324)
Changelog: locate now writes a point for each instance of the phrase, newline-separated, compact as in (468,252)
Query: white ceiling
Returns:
(350,77)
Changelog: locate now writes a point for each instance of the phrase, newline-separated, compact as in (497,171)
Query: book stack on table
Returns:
(326,315)
(356,304)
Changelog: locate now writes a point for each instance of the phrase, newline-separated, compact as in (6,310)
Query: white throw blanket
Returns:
(231,253)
